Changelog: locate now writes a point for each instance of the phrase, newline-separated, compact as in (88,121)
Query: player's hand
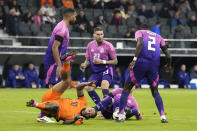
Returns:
(83,65)
(91,83)
(58,71)
(97,61)
(167,68)
(84,84)
(77,117)
(131,65)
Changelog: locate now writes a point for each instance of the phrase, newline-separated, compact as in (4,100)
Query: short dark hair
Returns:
(67,11)
(88,117)
(97,29)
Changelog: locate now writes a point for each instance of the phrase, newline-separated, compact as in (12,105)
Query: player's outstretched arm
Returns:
(77,117)
(84,84)
(168,57)
(81,86)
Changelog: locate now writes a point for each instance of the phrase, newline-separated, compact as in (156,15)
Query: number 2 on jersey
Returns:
(151,41)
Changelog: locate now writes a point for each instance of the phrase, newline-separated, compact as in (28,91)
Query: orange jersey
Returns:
(68,108)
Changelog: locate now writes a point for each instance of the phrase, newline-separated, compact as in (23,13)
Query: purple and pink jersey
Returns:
(151,46)
(107,108)
(131,102)
(147,66)
(105,51)
(148,59)
(60,30)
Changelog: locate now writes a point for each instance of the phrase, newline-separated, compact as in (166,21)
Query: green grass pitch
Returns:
(180,108)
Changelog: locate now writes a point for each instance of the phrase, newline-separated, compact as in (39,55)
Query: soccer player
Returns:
(56,48)
(68,110)
(110,105)
(145,64)
(100,55)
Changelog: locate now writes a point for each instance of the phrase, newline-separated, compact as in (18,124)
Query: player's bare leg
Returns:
(51,107)
(65,73)
(63,85)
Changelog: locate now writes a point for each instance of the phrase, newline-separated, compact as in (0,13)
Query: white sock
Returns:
(162,117)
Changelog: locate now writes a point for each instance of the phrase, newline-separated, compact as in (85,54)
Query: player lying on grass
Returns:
(68,110)
(109,106)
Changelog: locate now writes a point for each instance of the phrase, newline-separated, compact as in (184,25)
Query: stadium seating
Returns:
(46,28)
(75,34)
(42,42)
(85,35)
(122,29)
(165,30)
(131,22)
(97,12)
(194,30)
(85,42)
(35,28)
(76,43)
(24,29)
(112,29)
(92,14)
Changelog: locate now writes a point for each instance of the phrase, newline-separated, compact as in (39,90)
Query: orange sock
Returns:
(66,67)
(41,106)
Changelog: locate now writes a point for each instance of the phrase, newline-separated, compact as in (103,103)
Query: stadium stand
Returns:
(24,20)
(165,12)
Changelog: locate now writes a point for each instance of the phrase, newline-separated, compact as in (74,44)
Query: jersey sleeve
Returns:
(162,43)
(138,34)
(59,31)
(87,52)
(112,52)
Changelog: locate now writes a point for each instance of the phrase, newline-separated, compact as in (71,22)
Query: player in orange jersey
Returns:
(68,110)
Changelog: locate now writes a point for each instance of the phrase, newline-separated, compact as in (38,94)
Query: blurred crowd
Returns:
(30,76)
(170,18)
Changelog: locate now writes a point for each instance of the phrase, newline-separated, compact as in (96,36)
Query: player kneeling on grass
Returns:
(68,110)
(109,106)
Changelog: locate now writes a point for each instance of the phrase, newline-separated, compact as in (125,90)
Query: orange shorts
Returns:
(51,95)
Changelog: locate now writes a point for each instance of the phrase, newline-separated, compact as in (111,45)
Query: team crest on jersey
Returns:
(74,103)
(101,50)
(92,50)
